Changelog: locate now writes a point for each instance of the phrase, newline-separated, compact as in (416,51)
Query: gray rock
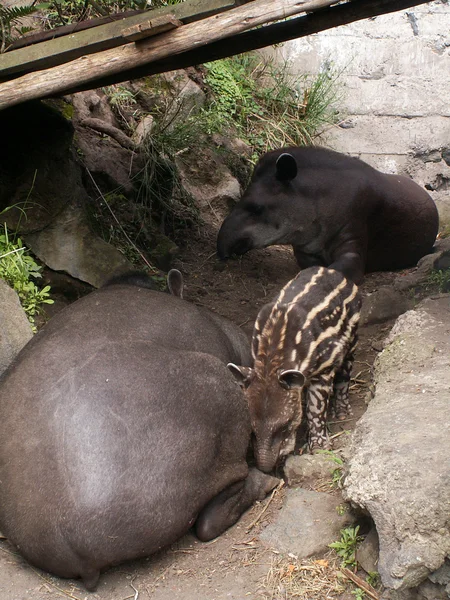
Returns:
(15,329)
(438,260)
(398,472)
(431,591)
(69,245)
(308,468)
(368,551)
(382,305)
(307,523)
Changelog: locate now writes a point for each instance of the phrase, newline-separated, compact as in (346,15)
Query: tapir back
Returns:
(113,421)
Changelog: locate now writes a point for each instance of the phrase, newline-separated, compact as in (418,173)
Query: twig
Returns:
(119,224)
(49,582)
(277,489)
(367,588)
(332,437)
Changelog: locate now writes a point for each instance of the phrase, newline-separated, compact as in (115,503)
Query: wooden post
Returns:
(57,80)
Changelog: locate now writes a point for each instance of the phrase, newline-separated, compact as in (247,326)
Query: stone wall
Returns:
(396,91)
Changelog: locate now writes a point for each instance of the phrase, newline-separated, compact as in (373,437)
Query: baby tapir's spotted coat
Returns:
(303,343)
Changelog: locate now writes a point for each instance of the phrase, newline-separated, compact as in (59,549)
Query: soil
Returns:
(236,565)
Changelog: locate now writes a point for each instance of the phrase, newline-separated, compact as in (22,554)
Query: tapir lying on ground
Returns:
(334,210)
(302,341)
(121,427)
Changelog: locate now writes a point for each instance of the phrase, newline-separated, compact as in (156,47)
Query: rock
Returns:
(109,163)
(69,245)
(398,472)
(15,329)
(210,182)
(307,468)
(382,305)
(442,576)
(188,97)
(438,260)
(431,591)
(307,523)
(143,130)
(368,551)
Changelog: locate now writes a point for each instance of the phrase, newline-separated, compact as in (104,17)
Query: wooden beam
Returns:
(150,28)
(109,35)
(314,22)
(90,68)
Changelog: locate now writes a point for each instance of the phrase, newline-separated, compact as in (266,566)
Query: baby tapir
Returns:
(335,210)
(121,427)
(302,341)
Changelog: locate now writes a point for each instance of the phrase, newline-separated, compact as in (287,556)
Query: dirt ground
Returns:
(237,565)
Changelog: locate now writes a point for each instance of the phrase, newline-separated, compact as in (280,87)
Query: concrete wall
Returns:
(396,91)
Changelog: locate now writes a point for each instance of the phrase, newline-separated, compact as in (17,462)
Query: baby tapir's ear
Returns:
(291,378)
(286,167)
(175,283)
(243,375)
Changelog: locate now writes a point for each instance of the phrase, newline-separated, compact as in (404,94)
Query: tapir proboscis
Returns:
(121,427)
(335,210)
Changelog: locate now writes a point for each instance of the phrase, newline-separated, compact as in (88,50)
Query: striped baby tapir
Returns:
(303,349)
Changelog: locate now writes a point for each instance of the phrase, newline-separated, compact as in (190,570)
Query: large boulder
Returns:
(307,523)
(399,471)
(15,329)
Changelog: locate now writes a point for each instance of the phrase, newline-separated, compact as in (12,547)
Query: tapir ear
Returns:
(286,167)
(175,283)
(291,378)
(243,375)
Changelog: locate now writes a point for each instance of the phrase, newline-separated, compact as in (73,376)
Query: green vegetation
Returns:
(338,473)
(439,279)
(268,106)
(373,579)
(56,13)
(10,27)
(346,546)
(358,593)
(19,270)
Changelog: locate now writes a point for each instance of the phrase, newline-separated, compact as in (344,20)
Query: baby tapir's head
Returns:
(275,405)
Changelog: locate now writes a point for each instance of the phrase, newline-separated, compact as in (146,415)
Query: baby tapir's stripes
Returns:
(303,344)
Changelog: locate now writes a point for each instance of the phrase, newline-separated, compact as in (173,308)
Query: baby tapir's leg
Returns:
(318,395)
(226,508)
(340,404)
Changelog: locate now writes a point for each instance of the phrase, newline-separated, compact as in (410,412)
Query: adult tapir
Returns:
(335,210)
(121,427)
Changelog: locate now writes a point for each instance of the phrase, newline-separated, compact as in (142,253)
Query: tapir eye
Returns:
(255,209)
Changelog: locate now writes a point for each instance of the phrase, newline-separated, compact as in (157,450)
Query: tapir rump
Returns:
(335,210)
(120,428)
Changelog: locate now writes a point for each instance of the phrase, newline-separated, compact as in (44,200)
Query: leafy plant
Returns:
(358,593)
(9,26)
(19,269)
(63,12)
(338,473)
(269,106)
(373,578)
(346,546)
(441,279)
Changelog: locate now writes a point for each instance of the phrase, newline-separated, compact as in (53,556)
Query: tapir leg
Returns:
(226,508)
(318,394)
(340,403)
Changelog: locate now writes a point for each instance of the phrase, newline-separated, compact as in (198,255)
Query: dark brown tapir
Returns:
(335,210)
(120,428)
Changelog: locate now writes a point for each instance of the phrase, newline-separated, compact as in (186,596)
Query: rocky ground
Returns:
(253,559)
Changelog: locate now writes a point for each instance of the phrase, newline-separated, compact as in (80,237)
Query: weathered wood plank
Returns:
(151,27)
(60,50)
(89,68)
